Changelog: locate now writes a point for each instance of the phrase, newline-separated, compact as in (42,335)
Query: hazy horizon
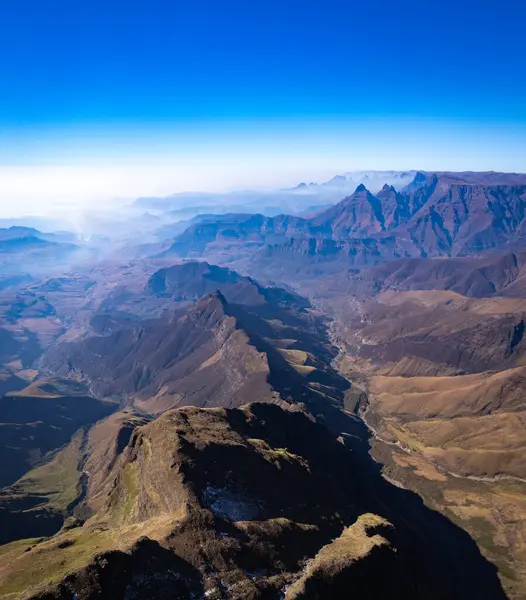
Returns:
(121,101)
(220,381)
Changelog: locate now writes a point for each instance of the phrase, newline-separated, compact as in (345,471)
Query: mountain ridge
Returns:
(438,214)
(174,520)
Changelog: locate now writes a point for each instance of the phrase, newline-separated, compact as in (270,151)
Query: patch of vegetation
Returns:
(295,357)
(48,562)
(273,454)
(130,480)
(58,479)
(485,535)
(506,570)
(356,542)
(15,546)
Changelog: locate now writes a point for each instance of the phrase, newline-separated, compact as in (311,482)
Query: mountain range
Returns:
(303,198)
(438,214)
(263,406)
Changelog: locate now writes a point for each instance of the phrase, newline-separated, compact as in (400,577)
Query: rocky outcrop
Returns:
(236,504)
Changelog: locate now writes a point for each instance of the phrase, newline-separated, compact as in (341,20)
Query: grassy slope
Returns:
(57,480)
(448,426)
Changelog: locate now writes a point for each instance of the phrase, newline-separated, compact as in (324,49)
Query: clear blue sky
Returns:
(88,78)
(78,61)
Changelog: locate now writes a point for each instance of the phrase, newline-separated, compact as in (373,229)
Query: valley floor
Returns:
(491,508)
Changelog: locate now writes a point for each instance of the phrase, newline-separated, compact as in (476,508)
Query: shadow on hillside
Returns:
(443,551)
(440,545)
(147,572)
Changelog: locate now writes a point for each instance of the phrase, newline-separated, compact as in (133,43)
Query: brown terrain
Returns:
(444,376)
(433,334)
(206,353)
(264,422)
(172,521)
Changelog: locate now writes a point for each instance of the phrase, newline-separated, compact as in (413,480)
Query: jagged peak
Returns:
(212,296)
(421,179)
(219,296)
(338,179)
(361,188)
(209,301)
(420,176)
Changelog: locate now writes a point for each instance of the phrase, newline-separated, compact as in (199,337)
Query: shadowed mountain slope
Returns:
(32,426)
(194,356)
(494,274)
(189,281)
(211,353)
(231,504)
(445,400)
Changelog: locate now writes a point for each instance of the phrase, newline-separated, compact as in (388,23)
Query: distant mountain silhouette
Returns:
(437,214)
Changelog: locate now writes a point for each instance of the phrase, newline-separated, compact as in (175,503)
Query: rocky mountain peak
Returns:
(420,177)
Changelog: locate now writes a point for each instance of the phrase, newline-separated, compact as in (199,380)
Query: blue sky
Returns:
(275,89)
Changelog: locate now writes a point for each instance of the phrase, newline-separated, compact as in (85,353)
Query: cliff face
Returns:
(437,215)
(359,215)
(347,566)
(234,504)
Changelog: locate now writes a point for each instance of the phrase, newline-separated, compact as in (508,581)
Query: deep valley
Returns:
(254,406)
